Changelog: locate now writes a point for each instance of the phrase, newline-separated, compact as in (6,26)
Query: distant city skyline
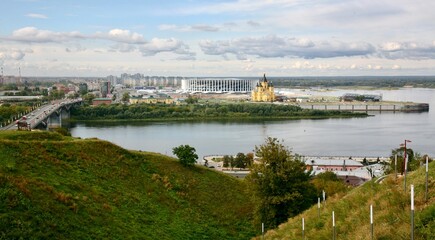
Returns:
(221,38)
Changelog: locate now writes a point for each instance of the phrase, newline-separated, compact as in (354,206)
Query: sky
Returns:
(217,38)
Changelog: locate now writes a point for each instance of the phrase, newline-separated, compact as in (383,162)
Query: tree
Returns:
(226,161)
(125,97)
(280,184)
(240,160)
(191,99)
(329,182)
(88,98)
(186,154)
(400,159)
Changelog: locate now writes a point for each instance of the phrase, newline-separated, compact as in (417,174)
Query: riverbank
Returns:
(203,111)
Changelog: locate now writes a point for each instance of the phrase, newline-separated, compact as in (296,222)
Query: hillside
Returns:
(391,212)
(56,187)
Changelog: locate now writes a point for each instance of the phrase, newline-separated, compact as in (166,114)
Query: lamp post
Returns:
(405,163)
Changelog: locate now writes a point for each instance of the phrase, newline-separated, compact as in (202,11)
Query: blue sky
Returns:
(218,38)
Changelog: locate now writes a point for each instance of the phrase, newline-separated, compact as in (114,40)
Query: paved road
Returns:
(36,116)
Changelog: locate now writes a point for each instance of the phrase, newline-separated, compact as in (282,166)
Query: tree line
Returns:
(200,111)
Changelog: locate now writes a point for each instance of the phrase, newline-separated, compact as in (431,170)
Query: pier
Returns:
(368,107)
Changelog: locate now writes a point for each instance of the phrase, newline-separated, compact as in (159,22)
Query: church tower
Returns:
(264,91)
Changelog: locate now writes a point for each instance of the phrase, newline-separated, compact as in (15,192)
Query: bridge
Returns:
(47,116)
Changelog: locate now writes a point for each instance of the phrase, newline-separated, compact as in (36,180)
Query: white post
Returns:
(303,228)
(262,230)
(318,207)
(371,221)
(427,173)
(333,225)
(412,212)
(395,166)
(406,169)
(324,197)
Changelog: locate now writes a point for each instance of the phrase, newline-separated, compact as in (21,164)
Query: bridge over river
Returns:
(47,116)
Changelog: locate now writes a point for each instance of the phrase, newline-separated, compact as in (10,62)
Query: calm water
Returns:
(372,136)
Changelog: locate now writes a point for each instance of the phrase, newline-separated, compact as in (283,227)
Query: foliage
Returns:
(227,161)
(56,187)
(125,97)
(88,97)
(413,160)
(202,111)
(391,212)
(7,112)
(191,99)
(328,182)
(186,154)
(280,184)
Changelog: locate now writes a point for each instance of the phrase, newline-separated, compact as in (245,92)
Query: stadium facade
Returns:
(218,85)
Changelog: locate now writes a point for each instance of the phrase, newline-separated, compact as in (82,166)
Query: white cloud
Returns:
(396,67)
(187,28)
(14,54)
(407,50)
(238,6)
(121,35)
(36,15)
(157,45)
(32,34)
(274,46)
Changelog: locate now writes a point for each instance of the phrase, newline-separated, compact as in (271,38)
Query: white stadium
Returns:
(218,85)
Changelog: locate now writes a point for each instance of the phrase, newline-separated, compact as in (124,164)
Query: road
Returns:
(36,116)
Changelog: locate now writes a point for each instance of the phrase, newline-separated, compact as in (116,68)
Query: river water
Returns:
(374,136)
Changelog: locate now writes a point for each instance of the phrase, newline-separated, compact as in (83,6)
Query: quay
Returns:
(368,107)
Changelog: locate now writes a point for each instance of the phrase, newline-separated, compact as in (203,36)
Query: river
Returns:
(373,136)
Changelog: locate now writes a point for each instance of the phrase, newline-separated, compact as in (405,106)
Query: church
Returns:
(263,92)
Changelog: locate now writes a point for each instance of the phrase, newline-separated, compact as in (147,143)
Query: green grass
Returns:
(55,187)
(391,206)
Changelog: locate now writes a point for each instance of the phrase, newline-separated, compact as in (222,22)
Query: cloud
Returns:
(396,67)
(124,47)
(187,28)
(121,35)
(238,6)
(36,15)
(253,24)
(407,50)
(205,28)
(32,34)
(273,46)
(157,45)
(14,54)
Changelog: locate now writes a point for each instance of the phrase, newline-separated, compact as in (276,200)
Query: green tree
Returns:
(280,184)
(125,97)
(226,161)
(87,98)
(400,152)
(186,154)
(240,160)
(249,159)
(191,99)
(329,182)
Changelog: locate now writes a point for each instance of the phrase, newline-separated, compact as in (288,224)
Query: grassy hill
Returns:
(56,187)
(391,207)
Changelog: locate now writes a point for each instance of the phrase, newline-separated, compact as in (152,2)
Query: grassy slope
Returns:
(56,187)
(391,207)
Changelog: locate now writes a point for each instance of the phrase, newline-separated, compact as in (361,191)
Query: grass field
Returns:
(391,212)
(56,187)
